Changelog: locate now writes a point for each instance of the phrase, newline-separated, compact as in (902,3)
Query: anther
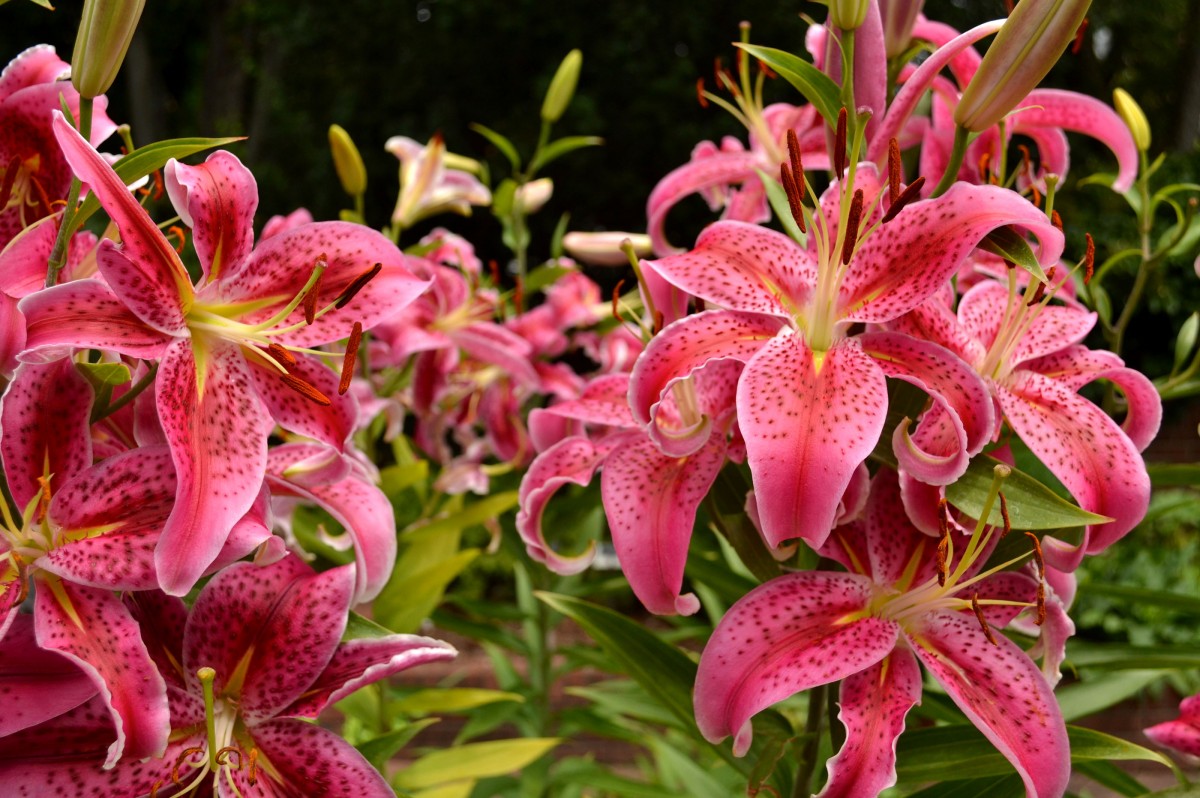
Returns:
(360,282)
(839,147)
(700,93)
(795,203)
(182,760)
(1089,259)
(793,145)
(494,268)
(1037,294)
(252,768)
(616,298)
(983,624)
(1037,554)
(1035,196)
(1077,45)
(1004,514)
(1041,604)
(893,170)
(349,358)
(305,389)
(766,71)
(223,755)
(281,354)
(519,296)
(658,321)
(985,164)
(180,234)
(852,223)
(154,788)
(1056,220)
(312,297)
(943,556)
(910,193)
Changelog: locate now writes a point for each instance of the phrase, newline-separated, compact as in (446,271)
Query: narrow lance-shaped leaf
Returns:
(817,87)
(1031,505)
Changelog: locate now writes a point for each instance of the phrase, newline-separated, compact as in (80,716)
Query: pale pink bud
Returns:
(604,249)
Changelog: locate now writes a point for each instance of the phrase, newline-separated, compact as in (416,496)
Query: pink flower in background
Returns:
(1183,733)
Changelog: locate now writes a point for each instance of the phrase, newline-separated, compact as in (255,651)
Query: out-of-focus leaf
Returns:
(1185,342)
(1112,777)
(501,143)
(777,196)
(473,761)
(1095,692)
(560,147)
(817,87)
(451,699)
(110,374)
(1165,475)
(379,750)
(474,513)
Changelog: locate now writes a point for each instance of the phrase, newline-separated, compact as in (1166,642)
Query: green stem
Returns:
(106,410)
(812,744)
(961,134)
(848,85)
(58,255)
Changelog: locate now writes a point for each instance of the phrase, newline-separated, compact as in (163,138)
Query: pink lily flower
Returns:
(812,400)
(34,176)
(215,341)
(905,599)
(434,181)
(650,496)
(259,653)
(1030,359)
(1183,733)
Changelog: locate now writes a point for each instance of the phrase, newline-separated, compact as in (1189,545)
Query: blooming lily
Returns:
(906,599)
(223,345)
(811,402)
(259,652)
(433,181)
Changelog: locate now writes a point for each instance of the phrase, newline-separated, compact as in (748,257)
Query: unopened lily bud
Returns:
(562,87)
(530,197)
(105,31)
(848,14)
(899,16)
(347,161)
(604,249)
(1134,118)
(1027,46)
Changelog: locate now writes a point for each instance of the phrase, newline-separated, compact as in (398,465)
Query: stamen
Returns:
(43,505)
(494,268)
(906,196)
(224,754)
(852,223)
(154,788)
(893,170)
(616,299)
(983,624)
(766,71)
(658,321)
(985,163)
(943,555)
(1056,220)
(182,760)
(180,234)
(1026,160)
(700,93)
(349,358)
(1037,554)
(1004,515)
(252,768)
(788,180)
(280,353)
(1089,259)
(1077,45)
(312,297)
(793,145)
(360,282)
(839,147)
(1037,295)
(1036,196)
(305,389)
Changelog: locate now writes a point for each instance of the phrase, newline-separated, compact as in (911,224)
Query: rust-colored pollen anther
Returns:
(658,321)
(985,164)
(180,235)
(350,358)
(305,389)
(519,296)
(793,145)
(983,624)
(943,556)
(795,203)
(766,70)
(1077,45)
(252,768)
(154,788)
(616,299)
(1037,553)
(195,749)
(839,145)
(700,93)
(1056,220)
(360,282)
(1035,197)
(1041,604)
(910,193)
(853,220)
(494,270)
(893,171)
(314,294)
(1037,295)
(282,355)
(1089,259)
(1004,514)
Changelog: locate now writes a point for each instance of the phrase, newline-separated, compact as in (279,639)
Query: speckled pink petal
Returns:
(99,635)
(571,460)
(744,267)
(605,401)
(909,259)
(232,612)
(281,265)
(650,500)
(1079,113)
(33,65)
(365,514)
(807,428)
(872,707)
(278,224)
(785,636)
(218,441)
(965,404)
(146,272)
(84,314)
(358,663)
(310,760)
(44,421)
(694,177)
(891,541)
(495,345)
(36,684)
(1076,366)
(690,344)
(162,619)
(12,335)
(1003,693)
(1182,734)
(330,424)
(981,312)
(1084,448)
(217,200)
(23,259)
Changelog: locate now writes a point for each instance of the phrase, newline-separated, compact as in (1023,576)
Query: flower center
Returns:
(21,189)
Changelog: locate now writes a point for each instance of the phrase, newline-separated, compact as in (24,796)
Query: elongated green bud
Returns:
(562,87)
(347,161)
(1027,46)
(1134,118)
(105,31)
(848,14)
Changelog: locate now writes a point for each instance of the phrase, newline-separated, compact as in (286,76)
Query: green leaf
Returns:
(1164,475)
(501,143)
(602,782)
(1144,596)
(782,209)
(1097,691)
(458,789)
(1007,243)
(99,374)
(472,515)
(451,699)
(394,479)
(1112,777)
(410,596)
(560,147)
(1190,791)
(360,628)
(473,761)
(144,160)
(1031,505)
(1185,342)
(1111,656)
(1002,787)
(556,239)
(502,199)
(817,87)
(380,749)
(681,770)
(545,275)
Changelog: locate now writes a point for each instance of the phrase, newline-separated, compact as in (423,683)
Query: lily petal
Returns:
(694,177)
(84,314)
(330,424)
(1056,108)
(38,684)
(217,201)
(312,761)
